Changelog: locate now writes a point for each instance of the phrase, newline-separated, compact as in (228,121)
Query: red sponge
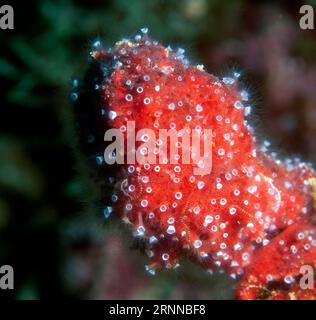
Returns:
(250,215)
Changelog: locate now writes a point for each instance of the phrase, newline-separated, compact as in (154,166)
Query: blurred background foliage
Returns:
(50,229)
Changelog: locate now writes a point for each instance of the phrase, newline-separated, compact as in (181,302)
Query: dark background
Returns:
(51,231)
